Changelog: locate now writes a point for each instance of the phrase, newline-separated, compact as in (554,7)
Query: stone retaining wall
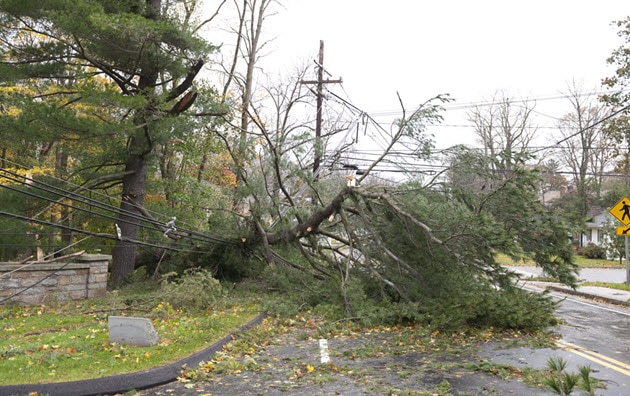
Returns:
(85,277)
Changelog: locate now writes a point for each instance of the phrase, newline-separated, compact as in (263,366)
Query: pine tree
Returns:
(134,60)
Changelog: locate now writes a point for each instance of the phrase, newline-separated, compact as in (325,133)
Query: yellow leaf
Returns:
(309,368)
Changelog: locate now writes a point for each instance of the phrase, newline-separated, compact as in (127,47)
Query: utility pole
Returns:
(320,99)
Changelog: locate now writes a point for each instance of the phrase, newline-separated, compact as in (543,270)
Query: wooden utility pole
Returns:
(320,99)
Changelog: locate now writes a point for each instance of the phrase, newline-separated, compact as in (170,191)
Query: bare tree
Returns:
(585,148)
(249,44)
(504,127)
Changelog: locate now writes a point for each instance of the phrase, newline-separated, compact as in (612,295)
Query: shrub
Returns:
(196,289)
(593,251)
(231,264)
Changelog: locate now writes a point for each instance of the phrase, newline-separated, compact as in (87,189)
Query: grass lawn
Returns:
(618,286)
(69,341)
(581,261)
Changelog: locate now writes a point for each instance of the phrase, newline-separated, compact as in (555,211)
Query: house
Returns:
(595,227)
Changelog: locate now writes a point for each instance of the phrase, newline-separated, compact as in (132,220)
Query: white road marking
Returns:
(323,350)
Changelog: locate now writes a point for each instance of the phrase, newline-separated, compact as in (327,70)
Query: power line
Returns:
(193,235)
(90,233)
(485,103)
(608,117)
(35,284)
(95,202)
(36,261)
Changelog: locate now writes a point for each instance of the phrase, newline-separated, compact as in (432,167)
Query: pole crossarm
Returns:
(320,98)
(326,81)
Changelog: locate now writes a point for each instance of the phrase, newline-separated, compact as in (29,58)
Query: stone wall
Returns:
(85,277)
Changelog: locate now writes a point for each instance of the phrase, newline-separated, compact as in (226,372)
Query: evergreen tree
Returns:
(130,64)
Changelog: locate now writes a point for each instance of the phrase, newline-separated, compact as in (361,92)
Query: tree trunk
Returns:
(134,191)
(61,165)
(134,182)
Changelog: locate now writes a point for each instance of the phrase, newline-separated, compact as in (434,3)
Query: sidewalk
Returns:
(611,296)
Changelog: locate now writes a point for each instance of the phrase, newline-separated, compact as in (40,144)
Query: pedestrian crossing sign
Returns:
(621,210)
(622,231)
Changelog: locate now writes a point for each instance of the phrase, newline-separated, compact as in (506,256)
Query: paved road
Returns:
(377,362)
(594,334)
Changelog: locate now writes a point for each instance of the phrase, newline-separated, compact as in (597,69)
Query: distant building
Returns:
(594,231)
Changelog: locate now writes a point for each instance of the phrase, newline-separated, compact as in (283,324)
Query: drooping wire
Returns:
(193,235)
(104,206)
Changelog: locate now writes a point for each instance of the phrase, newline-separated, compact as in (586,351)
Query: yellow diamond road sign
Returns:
(621,210)
(623,231)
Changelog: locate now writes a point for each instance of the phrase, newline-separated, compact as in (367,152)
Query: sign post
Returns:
(621,211)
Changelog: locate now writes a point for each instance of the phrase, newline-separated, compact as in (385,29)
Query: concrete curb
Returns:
(587,295)
(125,382)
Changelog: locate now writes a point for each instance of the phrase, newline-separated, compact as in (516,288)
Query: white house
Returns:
(596,227)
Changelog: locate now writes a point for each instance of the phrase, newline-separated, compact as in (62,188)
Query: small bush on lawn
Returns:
(593,251)
(196,289)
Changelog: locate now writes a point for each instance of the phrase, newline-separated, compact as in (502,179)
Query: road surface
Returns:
(593,334)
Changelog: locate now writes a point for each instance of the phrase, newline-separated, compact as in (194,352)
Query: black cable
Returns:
(88,201)
(468,105)
(191,234)
(62,193)
(542,148)
(590,126)
(93,202)
(94,234)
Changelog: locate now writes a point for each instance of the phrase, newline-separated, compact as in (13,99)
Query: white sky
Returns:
(469,49)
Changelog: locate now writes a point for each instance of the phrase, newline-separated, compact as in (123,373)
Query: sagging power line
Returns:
(105,211)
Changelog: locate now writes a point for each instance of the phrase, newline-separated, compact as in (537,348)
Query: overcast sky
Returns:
(468,49)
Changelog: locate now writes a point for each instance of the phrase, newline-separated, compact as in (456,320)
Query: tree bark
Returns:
(134,182)
(310,225)
(134,192)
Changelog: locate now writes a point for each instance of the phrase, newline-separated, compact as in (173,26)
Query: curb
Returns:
(588,295)
(124,382)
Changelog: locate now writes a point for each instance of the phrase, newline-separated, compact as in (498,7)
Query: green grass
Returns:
(581,261)
(66,342)
(618,286)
